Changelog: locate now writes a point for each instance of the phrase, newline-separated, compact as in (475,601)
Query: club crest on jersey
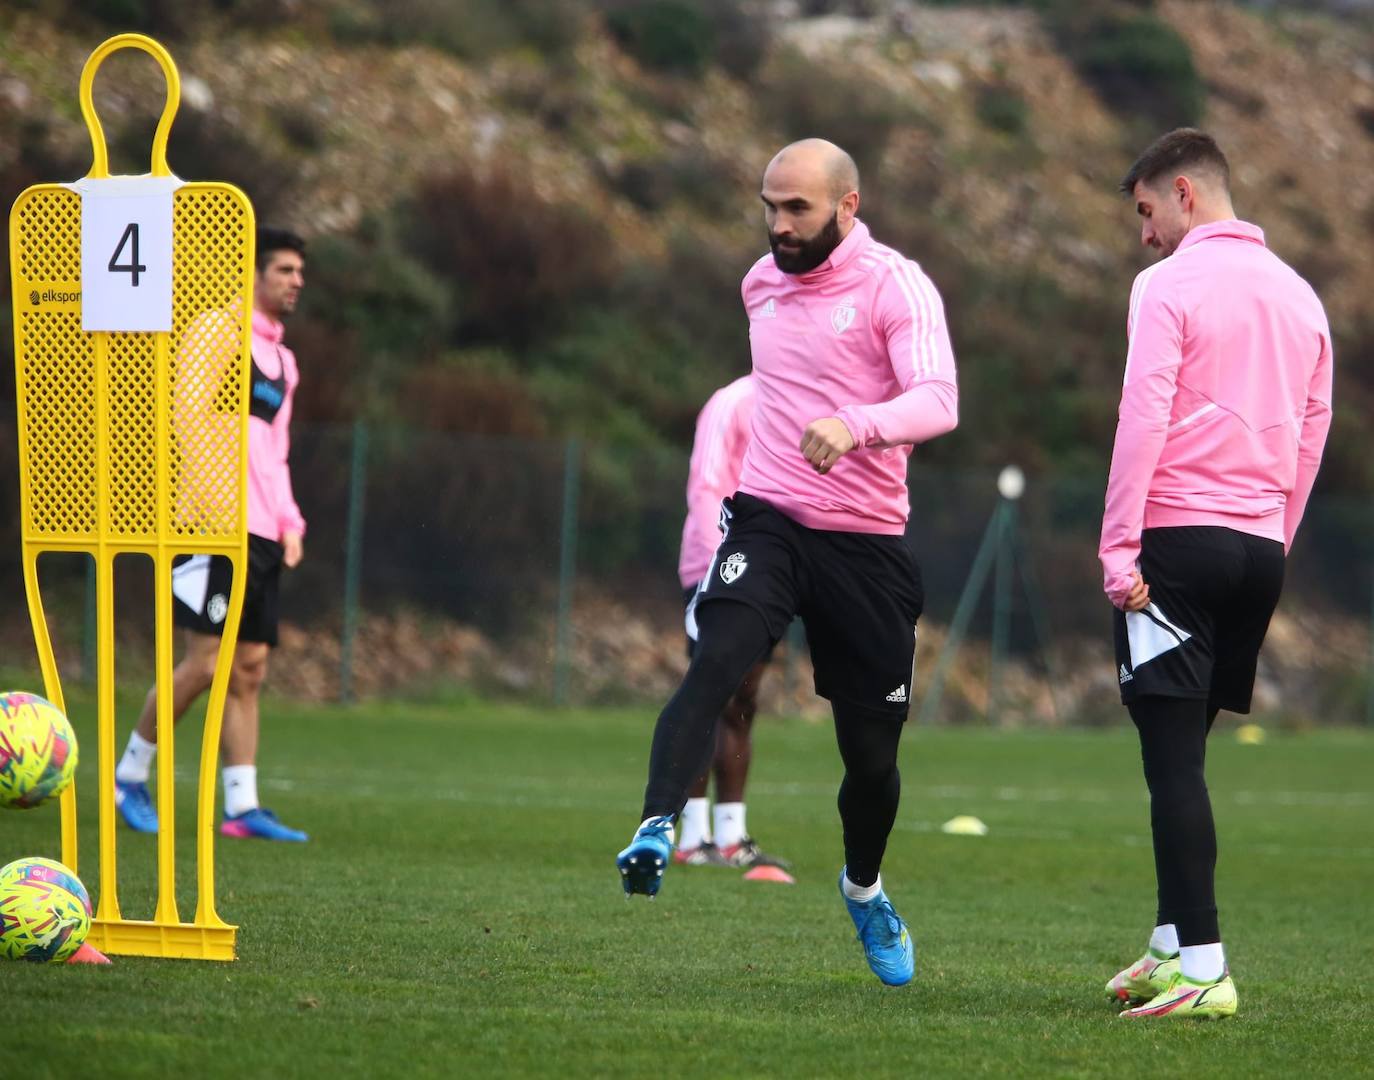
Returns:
(733,567)
(842,318)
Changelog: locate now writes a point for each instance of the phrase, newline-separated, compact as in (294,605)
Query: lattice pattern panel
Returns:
(57,364)
(131,389)
(212,237)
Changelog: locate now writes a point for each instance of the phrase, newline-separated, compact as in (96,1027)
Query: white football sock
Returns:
(137,762)
(861,893)
(240,789)
(1202,963)
(729,823)
(695,820)
(1164,941)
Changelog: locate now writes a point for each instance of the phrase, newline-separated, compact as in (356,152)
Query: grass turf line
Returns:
(457,912)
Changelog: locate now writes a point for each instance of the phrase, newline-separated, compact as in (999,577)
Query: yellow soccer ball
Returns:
(37,750)
(45,912)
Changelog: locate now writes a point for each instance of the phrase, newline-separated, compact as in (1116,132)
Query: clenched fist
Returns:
(824,442)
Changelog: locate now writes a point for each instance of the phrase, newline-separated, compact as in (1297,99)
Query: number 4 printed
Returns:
(133,267)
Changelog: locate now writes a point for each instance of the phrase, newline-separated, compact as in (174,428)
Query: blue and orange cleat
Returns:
(136,806)
(887,944)
(642,864)
(261,824)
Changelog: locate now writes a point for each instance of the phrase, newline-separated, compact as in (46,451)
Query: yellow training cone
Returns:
(964,825)
(1249,734)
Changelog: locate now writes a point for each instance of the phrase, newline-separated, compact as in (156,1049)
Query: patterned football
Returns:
(37,750)
(45,912)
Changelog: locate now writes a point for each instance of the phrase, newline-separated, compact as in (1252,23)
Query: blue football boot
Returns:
(642,864)
(887,945)
(136,806)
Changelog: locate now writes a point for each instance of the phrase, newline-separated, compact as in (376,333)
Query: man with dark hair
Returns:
(1224,413)
(200,583)
(853,365)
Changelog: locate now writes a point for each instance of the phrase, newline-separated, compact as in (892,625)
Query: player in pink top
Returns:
(200,583)
(853,365)
(722,436)
(1224,413)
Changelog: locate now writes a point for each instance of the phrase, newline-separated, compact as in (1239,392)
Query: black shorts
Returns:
(689,619)
(859,596)
(200,587)
(1212,593)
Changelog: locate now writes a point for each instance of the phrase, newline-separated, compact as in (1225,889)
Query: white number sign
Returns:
(126,253)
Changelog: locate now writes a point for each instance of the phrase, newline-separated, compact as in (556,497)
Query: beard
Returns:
(811,253)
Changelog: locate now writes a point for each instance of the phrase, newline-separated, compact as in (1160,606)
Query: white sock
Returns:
(861,893)
(729,823)
(1164,941)
(1202,963)
(695,820)
(137,762)
(240,789)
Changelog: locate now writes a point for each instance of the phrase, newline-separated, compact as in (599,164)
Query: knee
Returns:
(198,669)
(248,675)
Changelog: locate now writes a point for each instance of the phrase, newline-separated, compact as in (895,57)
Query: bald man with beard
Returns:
(853,367)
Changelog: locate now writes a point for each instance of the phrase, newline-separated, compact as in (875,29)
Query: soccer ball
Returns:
(37,750)
(45,912)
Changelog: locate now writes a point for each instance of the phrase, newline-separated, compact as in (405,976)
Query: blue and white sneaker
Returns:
(887,945)
(262,824)
(136,806)
(642,864)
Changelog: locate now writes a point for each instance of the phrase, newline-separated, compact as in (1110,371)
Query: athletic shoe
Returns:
(136,806)
(1191,997)
(887,945)
(642,864)
(704,854)
(1142,980)
(746,854)
(262,824)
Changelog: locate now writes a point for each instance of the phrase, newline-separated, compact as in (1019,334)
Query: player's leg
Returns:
(734,755)
(733,637)
(860,618)
(747,600)
(1168,658)
(190,678)
(696,846)
(244,816)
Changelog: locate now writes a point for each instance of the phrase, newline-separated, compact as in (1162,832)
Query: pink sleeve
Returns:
(1316,422)
(290,518)
(722,436)
(1147,397)
(911,317)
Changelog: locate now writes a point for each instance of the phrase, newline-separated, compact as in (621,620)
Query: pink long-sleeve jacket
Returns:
(272,508)
(722,436)
(1226,401)
(863,338)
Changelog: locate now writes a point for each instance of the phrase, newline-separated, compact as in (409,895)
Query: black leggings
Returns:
(731,638)
(1173,748)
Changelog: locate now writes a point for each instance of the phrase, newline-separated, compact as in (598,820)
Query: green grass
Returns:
(456,913)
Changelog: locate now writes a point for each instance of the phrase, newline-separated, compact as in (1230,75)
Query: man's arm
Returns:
(911,317)
(1147,397)
(1316,422)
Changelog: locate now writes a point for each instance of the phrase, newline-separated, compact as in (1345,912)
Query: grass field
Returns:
(457,913)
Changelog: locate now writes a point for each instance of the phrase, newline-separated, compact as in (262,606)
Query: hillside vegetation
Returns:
(530,218)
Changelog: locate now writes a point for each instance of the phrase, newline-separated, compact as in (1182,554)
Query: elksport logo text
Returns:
(53,296)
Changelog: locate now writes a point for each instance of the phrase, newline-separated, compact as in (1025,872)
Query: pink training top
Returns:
(272,508)
(722,436)
(862,338)
(1226,401)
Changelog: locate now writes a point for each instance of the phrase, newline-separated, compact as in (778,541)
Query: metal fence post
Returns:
(353,557)
(567,568)
(88,635)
